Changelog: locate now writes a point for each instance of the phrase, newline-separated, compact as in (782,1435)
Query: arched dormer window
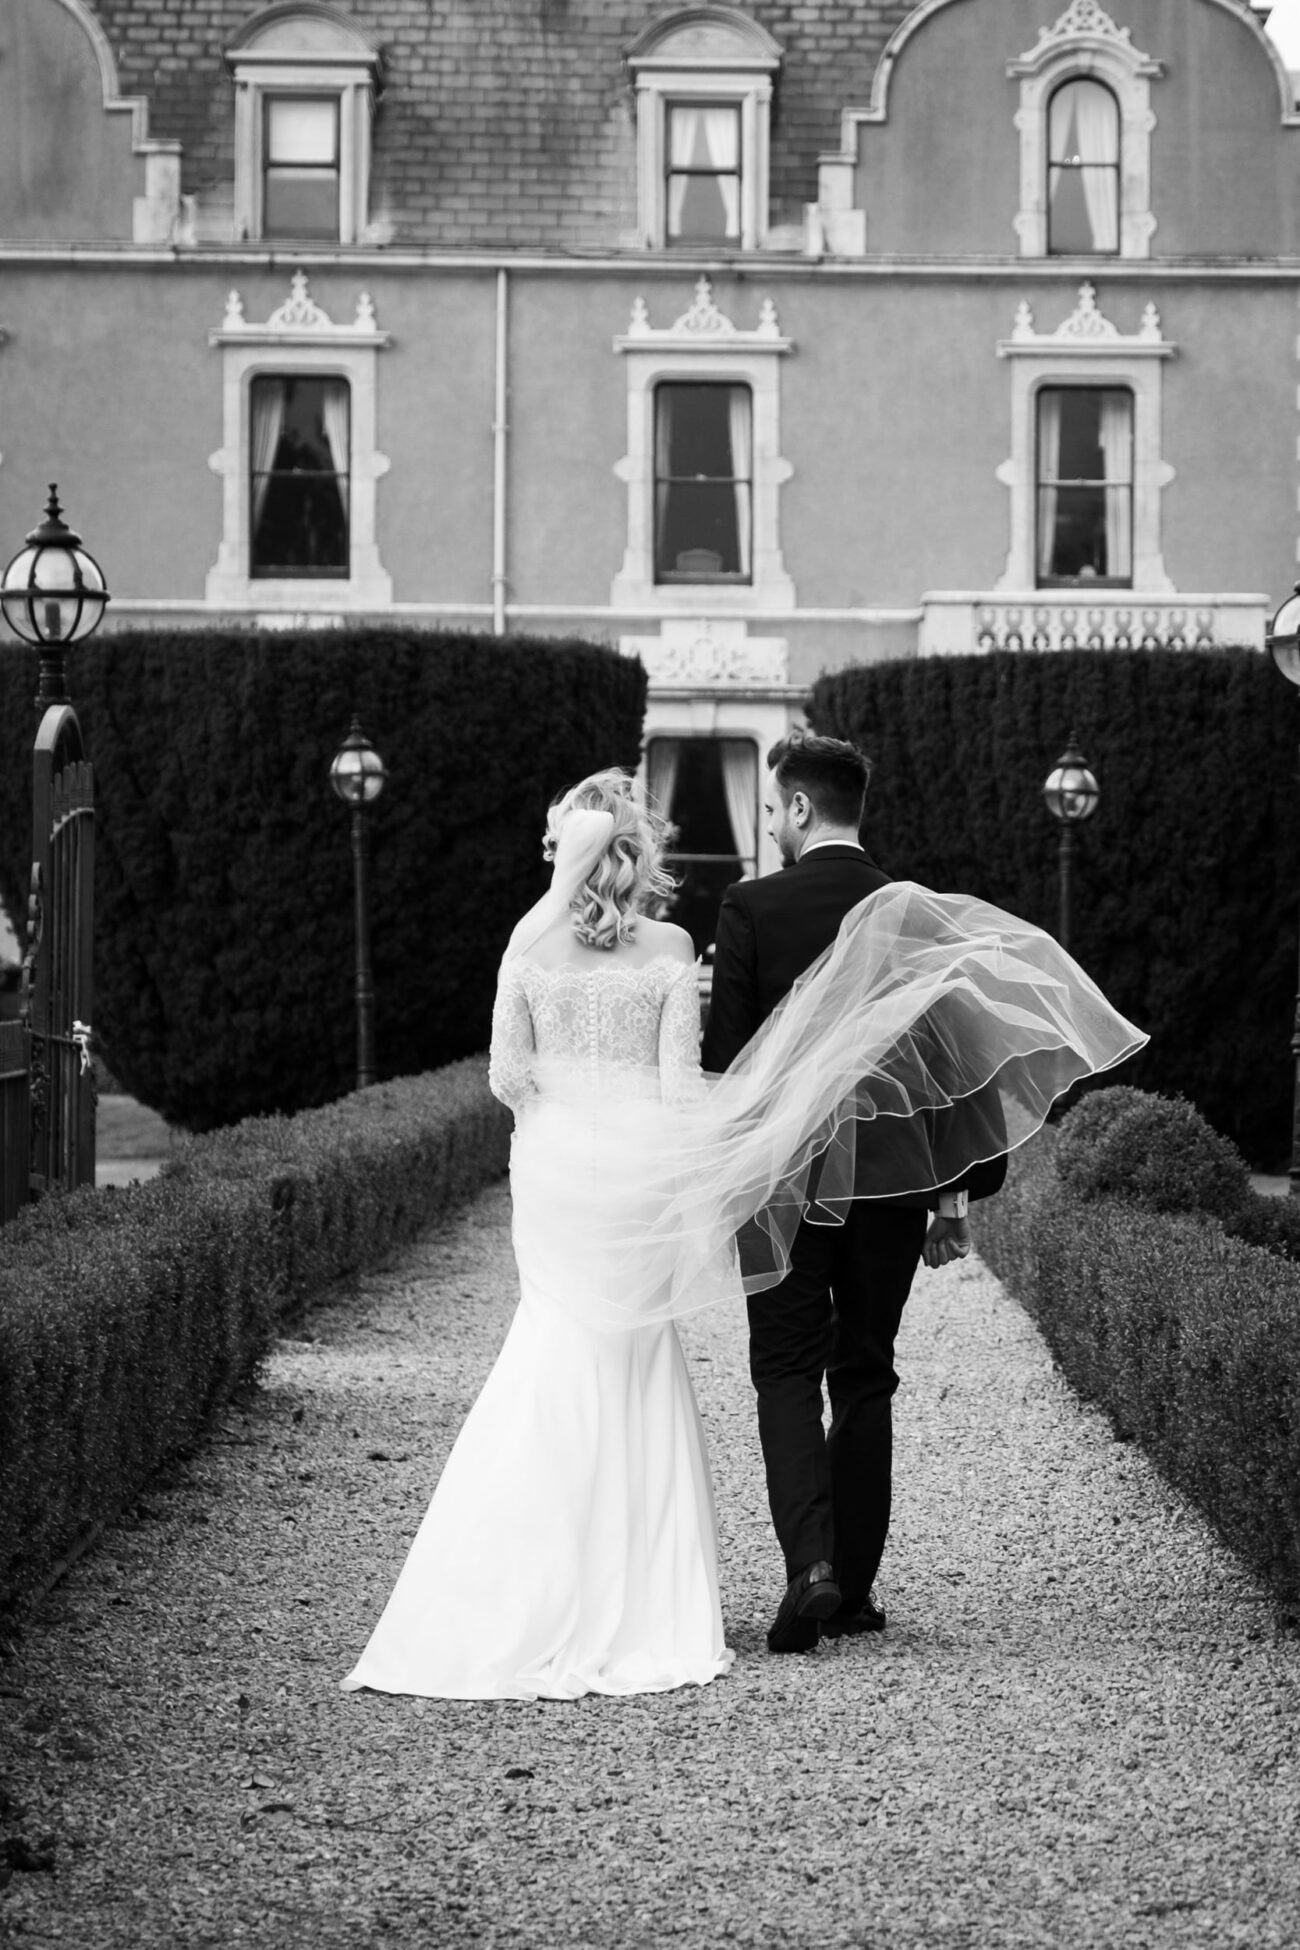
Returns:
(1085,109)
(305,83)
(703,81)
(1083,169)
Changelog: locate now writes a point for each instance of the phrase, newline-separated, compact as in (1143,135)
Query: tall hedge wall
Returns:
(1187,876)
(224,921)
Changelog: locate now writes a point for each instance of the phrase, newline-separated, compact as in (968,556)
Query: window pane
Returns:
(301,130)
(705,137)
(301,203)
(703,173)
(1084,124)
(702,481)
(299,466)
(1083,171)
(1085,476)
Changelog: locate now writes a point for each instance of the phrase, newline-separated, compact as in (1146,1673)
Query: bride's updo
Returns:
(629,874)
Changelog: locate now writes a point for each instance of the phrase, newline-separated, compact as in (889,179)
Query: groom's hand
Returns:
(947,1239)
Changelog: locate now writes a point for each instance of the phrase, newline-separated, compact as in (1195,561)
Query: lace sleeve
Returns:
(510,1061)
(681,1078)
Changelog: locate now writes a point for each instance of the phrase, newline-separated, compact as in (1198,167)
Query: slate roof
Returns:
(503,122)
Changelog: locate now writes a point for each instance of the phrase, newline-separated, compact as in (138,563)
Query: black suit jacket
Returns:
(769,932)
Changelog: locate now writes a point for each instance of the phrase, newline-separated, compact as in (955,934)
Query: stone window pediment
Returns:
(707,58)
(289,63)
(1088,353)
(334,368)
(740,371)
(1086,44)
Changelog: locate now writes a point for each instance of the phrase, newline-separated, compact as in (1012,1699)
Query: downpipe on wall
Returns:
(499,431)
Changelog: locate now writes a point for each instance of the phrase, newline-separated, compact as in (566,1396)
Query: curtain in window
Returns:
(704,139)
(268,420)
(720,140)
(662,762)
(740,783)
(1049,469)
(1117,459)
(742,466)
(1097,121)
(682,123)
(334,413)
(663,460)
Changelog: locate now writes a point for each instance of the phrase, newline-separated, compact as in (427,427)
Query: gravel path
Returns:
(1079,1729)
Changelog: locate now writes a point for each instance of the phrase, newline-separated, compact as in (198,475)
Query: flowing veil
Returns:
(934,1033)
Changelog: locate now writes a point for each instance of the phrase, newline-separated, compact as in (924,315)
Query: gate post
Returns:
(53,594)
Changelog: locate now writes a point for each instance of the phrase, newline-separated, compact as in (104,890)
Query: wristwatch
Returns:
(954,1205)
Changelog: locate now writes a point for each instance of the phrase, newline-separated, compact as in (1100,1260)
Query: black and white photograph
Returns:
(650,974)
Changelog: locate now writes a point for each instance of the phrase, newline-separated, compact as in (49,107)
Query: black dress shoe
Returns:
(812,1596)
(847,1622)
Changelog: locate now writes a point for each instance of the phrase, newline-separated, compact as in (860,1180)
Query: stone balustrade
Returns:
(1113,619)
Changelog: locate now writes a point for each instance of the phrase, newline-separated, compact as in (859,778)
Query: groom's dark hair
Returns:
(831,771)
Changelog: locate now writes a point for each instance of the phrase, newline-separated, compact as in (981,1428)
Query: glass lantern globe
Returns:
(1282,638)
(53,592)
(1070,790)
(357,773)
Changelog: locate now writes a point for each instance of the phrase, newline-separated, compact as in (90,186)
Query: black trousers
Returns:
(836,1314)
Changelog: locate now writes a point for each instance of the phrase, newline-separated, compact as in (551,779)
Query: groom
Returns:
(837,1312)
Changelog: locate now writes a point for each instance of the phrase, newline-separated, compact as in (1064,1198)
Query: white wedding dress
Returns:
(571,1543)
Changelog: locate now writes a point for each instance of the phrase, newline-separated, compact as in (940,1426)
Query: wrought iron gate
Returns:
(15,1123)
(58,970)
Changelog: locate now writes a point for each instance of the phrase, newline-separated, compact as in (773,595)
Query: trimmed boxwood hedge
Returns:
(1184,1332)
(128,1318)
(1187,878)
(224,943)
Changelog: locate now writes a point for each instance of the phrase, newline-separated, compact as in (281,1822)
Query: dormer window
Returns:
(703,82)
(1085,121)
(1083,170)
(305,83)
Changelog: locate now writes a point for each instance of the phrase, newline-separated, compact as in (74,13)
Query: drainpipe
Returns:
(499,470)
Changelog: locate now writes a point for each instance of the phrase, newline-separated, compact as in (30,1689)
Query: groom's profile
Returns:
(837,1312)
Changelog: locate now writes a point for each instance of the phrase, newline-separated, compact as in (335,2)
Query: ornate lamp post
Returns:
(1282,640)
(1071,793)
(53,594)
(358,776)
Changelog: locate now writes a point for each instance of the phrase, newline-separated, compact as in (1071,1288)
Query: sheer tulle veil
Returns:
(935,1032)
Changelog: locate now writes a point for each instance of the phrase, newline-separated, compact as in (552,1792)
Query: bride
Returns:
(571,1544)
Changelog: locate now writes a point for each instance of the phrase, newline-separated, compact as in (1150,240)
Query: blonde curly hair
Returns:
(630,872)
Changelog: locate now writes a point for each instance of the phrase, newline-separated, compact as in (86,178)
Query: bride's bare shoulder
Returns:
(665,938)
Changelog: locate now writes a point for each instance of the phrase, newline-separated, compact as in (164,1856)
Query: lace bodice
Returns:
(595,1024)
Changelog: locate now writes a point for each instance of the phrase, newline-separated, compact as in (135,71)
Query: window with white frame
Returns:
(703,482)
(708,788)
(1086,472)
(299,487)
(1085,122)
(704,467)
(300,166)
(1083,170)
(1085,486)
(305,86)
(299,463)
(702,195)
(703,81)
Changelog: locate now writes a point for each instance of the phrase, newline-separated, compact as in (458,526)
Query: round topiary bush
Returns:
(1154,1151)
(1083,1128)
